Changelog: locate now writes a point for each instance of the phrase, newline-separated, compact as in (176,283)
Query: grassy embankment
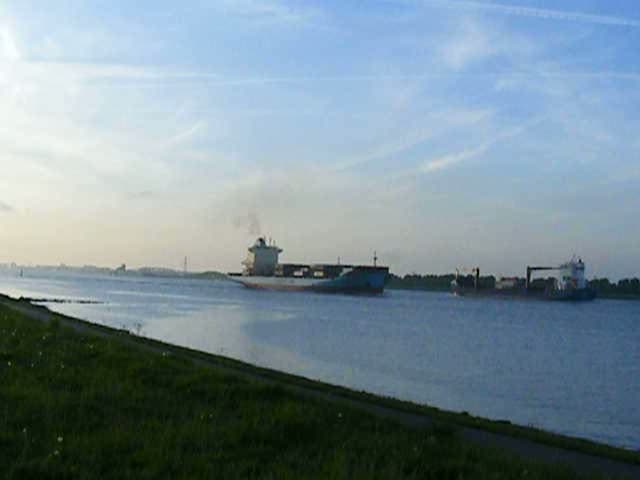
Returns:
(78,405)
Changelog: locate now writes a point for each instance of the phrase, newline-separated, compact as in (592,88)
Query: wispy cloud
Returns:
(472,42)
(183,127)
(472,45)
(435,125)
(451,159)
(469,45)
(534,12)
(269,11)
(186,135)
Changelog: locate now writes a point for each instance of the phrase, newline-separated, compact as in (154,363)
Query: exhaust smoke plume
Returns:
(249,222)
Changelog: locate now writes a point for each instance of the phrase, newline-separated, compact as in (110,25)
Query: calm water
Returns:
(570,368)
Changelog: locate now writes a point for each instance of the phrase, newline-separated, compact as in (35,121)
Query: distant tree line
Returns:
(626,288)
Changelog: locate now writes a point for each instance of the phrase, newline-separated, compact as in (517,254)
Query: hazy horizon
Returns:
(441,134)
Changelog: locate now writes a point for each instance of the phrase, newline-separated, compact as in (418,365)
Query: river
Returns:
(568,368)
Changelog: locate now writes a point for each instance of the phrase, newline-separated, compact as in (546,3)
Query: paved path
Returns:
(527,449)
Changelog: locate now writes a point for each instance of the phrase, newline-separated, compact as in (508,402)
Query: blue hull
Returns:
(359,280)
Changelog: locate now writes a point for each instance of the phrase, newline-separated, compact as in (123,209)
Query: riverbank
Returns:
(112,404)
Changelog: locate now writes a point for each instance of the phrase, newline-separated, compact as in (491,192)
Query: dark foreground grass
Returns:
(81,406)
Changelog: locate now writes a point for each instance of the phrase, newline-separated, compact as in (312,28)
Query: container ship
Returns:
(263,271)
(568,285)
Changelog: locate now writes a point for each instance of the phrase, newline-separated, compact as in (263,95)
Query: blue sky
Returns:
(442,134)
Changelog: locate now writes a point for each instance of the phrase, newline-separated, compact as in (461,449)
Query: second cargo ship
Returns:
(570,284)
(262,270)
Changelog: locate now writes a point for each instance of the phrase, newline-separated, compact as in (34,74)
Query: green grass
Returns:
(81,406)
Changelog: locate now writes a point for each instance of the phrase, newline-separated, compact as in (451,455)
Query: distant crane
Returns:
(185,266)
(530,270)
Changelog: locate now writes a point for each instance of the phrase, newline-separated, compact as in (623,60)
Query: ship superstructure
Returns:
(570,283)
(263,270)
(571,275)
(262,258)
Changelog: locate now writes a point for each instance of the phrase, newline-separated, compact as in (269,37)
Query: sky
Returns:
(440,134)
